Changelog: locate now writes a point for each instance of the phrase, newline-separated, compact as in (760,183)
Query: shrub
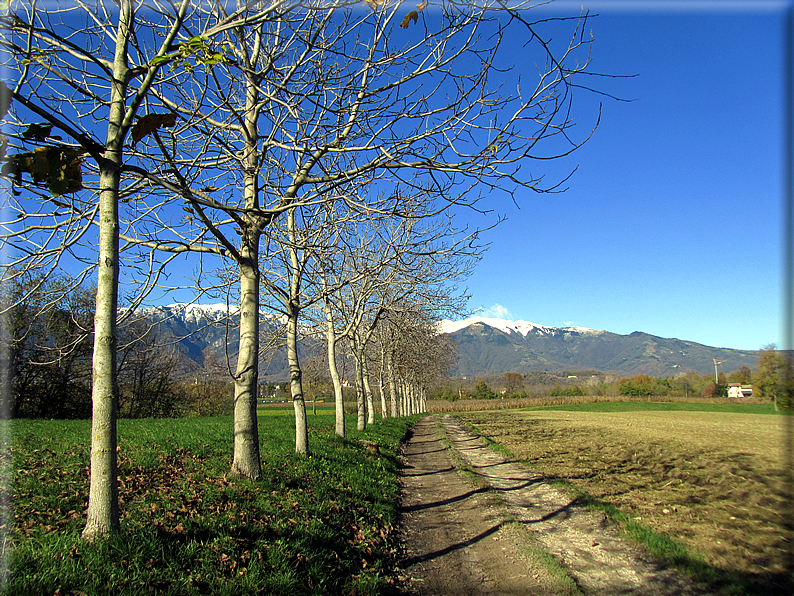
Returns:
(571,391)
(482,391)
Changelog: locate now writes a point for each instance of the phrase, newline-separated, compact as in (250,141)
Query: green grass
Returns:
(288,409)
(322,524)
(663,406)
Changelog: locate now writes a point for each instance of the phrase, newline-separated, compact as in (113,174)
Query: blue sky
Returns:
(672,224)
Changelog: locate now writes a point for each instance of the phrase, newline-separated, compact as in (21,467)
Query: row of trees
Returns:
(249,136)
(48,342)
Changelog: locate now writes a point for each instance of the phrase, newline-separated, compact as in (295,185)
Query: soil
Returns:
(499,529)
(713,482)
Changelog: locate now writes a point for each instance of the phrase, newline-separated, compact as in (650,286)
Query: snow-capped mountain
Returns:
(484,345)
(496,346)
(197,312)
(189,312)
(201,330)
(521,327)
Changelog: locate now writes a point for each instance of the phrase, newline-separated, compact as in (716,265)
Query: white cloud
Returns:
(497,311)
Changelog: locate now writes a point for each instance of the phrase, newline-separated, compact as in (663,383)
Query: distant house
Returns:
(739,390)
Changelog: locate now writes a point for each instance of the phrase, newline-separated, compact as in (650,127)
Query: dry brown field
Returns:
(439,406)
(712,481)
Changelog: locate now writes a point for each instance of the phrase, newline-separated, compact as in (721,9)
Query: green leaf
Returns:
(161,60)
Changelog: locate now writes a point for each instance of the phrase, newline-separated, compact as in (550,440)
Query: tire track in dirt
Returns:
(454,534)
(458,539)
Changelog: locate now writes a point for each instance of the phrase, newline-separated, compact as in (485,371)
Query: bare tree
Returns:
(80,68)
(306,100)
(148,363)
(73,71)
(226,136)
(306,253)
(289,103)
(352,309)
(294,251)
(346,273)
(424,358)
(409,352)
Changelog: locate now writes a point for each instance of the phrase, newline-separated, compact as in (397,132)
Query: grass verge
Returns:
(322,524)
(540,556)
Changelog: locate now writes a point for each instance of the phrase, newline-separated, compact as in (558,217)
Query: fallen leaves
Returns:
(174,493)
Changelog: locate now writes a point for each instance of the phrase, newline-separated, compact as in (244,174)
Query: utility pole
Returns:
(716,375)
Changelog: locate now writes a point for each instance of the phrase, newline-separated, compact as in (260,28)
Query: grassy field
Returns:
(703,485)
(700,483)
(315,525)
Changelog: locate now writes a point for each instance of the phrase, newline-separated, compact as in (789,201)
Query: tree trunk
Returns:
(361,423)
(339,399)
(381,384)
(296,383)
(384,408)
(293,312)
(103,502)
(368,391)
(395,406)
(247,461)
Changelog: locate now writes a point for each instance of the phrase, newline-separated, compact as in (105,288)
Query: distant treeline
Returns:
(768,381)
(46,350)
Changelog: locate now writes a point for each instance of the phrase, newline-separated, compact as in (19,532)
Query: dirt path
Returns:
(490,533)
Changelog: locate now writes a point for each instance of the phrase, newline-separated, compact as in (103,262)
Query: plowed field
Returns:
(712,481)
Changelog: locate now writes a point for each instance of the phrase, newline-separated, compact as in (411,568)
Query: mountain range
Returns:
(485,346)
(199,331)
(495,346)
